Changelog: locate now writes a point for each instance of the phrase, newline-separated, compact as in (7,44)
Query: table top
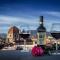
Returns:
(17,55)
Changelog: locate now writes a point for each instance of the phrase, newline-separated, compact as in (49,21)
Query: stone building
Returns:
(12,35)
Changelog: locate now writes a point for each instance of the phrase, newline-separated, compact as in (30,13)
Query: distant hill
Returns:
(34,32)
(48,34)
(3,35)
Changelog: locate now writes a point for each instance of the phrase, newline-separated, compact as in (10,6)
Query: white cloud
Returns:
(31,22)
(52,13)
(20,22)
(16,20)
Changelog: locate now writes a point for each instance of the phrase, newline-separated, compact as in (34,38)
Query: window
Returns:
(10,35)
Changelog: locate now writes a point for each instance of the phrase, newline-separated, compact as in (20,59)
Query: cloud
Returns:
(31,22)
(21,22)
(16,20)
(52,13)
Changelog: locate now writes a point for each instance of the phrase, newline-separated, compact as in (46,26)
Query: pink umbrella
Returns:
(37,51)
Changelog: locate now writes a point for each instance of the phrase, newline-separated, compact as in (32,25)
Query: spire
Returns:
(41,20)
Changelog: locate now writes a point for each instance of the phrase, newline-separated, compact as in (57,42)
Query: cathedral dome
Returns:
(13,29)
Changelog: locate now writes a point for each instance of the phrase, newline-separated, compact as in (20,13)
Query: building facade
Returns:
(12,35)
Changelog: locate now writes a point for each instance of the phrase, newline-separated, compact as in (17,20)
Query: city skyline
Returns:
(25,13)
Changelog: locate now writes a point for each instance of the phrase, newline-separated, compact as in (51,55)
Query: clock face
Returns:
(41,37)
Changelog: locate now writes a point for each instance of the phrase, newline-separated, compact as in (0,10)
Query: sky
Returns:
(25,14)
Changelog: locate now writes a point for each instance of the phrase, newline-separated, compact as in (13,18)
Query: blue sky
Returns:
(25,13)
